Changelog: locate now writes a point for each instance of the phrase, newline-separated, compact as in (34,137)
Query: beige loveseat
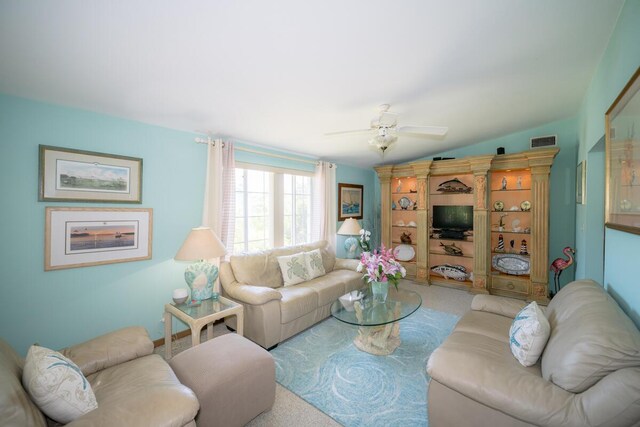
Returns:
(588,374)
(273,312)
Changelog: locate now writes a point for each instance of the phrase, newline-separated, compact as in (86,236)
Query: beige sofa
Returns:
(273,312)
(588,374)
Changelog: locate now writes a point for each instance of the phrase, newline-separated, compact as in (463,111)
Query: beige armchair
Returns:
(132,386)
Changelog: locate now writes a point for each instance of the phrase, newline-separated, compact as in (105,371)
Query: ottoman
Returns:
(233,378)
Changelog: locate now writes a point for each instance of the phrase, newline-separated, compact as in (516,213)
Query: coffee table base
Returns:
(379,340)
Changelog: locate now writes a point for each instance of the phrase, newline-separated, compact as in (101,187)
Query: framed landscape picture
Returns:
(622,132)
(349,201)
(67,175)
(82,237)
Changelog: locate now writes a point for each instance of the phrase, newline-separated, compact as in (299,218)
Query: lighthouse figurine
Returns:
(523,247)
(500,247)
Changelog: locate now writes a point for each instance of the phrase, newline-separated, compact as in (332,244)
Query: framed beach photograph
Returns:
(349,201)
(82,237)
(67,175)
(622,136)
(581,181)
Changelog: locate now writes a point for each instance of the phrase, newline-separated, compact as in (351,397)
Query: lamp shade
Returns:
(349,228)
(201,243)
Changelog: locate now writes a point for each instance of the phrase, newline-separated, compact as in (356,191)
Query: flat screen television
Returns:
(459,218)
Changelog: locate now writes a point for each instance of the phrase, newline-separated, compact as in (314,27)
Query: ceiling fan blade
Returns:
(346,132)
(425,130)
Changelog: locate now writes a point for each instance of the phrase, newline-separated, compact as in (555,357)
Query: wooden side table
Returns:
(207,312)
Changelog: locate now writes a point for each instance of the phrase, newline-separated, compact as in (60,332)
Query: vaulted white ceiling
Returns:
(283,73)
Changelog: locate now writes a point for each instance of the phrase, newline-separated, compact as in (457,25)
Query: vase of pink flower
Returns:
(380,269)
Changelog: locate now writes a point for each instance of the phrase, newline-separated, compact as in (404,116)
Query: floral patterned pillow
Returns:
(313,260)
(294,269)
(56,385)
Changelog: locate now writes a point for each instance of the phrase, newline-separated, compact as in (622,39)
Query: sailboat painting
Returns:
(94,236)
(349,201)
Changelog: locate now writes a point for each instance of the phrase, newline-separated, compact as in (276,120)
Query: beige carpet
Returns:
(289,409)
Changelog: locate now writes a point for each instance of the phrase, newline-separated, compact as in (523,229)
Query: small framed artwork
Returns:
(581,181)
(82,237)
(622,136)
(67,175)
(349,201)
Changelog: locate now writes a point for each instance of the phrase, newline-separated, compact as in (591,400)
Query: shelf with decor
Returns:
(451,253)
(519,211)
(499,196)
(404,221)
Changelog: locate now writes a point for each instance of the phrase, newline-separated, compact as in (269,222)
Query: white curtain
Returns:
(325,213)
(219,194)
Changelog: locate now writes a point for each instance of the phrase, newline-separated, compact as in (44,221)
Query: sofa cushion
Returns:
(484,370)
(313,261)
(528,334)
(294,268)
(486,324)
(16,408)
(143,391)
(590,337)
(296,302)
(328,287)
(57,385)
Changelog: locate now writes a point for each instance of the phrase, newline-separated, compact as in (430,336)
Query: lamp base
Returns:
(200,277)
(351,246)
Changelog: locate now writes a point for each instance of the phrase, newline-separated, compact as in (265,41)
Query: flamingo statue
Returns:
(559,265)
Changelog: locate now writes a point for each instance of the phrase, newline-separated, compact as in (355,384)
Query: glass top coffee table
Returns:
(379,330)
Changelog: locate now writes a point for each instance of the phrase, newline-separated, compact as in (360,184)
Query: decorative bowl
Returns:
(180,296)
(404,252)
(347,300)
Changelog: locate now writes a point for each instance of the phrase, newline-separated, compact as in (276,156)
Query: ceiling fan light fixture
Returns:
(383,141)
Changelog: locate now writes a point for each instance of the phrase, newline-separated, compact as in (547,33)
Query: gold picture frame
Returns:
(69,175)
(581,182)
(622,136)
(83,237)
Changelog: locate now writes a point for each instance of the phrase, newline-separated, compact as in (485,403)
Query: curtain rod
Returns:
(262,153)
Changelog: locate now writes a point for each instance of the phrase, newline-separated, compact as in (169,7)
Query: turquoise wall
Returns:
(620,258)
(64,307)
(562,203)
(367,178)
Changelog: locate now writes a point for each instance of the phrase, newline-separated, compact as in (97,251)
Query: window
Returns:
(273,208)
(297,209)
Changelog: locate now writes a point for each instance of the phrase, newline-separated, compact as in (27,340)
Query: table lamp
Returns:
(200,245)
(350,228)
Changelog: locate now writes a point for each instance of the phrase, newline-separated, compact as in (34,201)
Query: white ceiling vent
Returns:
(544,141)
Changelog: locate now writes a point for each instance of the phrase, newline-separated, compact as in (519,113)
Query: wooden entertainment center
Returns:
(506,250)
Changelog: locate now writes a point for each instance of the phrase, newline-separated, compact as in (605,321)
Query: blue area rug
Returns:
(323,366)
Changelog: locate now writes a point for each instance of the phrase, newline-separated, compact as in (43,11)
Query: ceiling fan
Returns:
(386,131)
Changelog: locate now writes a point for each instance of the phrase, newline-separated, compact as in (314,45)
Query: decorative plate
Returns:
(525,206)
(404,252)
(511,264)
(404,202)
(498,206)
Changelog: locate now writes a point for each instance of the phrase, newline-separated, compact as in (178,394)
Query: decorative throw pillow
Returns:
(313,261)
(294,269)
(57,385)
(528,335)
